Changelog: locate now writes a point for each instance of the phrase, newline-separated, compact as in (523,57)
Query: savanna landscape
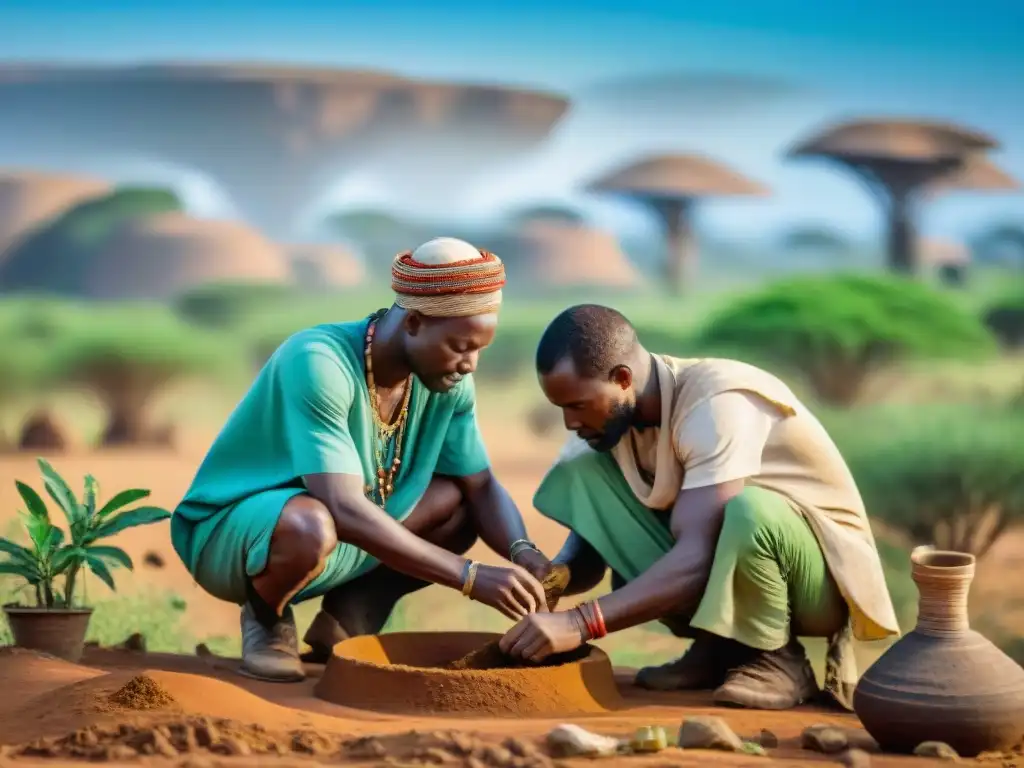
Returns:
(130,326)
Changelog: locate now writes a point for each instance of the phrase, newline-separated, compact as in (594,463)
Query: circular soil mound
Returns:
(405,672)
(323,267)
(157,257)
(565,255)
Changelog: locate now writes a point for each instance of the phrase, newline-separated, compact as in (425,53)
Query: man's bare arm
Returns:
(494,514)
(361,522)
(358,521)
(497,519)
(677,580)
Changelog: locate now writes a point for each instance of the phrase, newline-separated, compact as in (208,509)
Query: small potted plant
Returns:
(52,561)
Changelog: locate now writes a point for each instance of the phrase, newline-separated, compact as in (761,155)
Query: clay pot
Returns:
(58,632)
(942,681)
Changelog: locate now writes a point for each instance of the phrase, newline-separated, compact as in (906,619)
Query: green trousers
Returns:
(769,580)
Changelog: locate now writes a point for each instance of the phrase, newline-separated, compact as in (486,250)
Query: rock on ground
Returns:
(708,733)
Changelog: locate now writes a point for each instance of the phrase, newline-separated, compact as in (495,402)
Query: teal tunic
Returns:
(309,412)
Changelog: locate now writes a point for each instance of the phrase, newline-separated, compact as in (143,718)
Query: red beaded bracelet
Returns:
(594,621)
(602,630)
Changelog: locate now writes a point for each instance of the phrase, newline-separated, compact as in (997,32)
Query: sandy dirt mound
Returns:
(564,254)
(324,267)
(32,674)
(157,257)
(29,198)
(146,696)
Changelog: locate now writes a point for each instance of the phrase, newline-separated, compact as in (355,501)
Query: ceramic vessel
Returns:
(943,681)
(59,632)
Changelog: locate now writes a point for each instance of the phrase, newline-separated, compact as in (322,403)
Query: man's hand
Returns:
(543,634)
(510,590)
(535,562)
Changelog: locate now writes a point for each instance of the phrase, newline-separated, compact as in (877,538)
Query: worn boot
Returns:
(702,667)
(779,679)
(270,654)
(323,634)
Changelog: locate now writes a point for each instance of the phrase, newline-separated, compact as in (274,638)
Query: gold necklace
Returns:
(385,484)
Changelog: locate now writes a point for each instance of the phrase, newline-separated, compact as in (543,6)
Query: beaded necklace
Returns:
(385,484)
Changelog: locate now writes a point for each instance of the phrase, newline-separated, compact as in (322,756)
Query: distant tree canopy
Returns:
(55,258)
(379,234)
(816,239)
(1000,245)
(125,354)
(563,214)
(29,327)
(837,331)
(1005,318)
(227,305)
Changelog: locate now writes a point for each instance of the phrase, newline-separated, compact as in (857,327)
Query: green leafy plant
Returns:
(52,554)
(838,331)
(955,481)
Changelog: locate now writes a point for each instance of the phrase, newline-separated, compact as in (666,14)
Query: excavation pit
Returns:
(406,673)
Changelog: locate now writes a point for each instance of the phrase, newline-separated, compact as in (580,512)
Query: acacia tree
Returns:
(128,355)
(956,482)
(838,331)
(28,327)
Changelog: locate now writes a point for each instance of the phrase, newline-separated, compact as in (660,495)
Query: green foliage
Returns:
(955,480)
(128,354)
(136,348)
(56,257)
(51,556)
(556,212)
(837,331)
(230,305)
(1005,319)
(28,328)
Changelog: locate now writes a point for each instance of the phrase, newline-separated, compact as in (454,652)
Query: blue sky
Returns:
(960,61)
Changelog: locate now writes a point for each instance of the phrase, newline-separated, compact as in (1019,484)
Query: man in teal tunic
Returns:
(353,469)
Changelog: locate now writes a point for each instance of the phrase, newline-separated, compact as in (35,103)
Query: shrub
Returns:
(1005,319)
(128,354)
(838,331)
(229,305)
(954,480)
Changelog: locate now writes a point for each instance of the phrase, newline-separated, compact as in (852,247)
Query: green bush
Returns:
(1005,319)
(127,354)
(56,257)
(954,479)
(837,331)
(231,305)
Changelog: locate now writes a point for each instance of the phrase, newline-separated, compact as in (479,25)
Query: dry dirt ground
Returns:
(45,697)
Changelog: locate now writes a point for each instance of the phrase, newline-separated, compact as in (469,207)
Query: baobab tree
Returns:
(671,186)
(904,161)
